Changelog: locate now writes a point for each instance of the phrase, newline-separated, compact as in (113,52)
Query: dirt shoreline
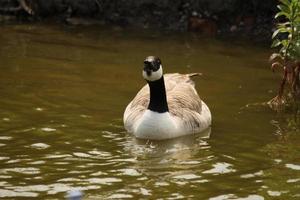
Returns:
(253,18)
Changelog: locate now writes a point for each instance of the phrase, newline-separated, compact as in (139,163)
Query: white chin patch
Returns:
(154,75)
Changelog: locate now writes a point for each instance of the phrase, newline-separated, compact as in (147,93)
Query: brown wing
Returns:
(183,101)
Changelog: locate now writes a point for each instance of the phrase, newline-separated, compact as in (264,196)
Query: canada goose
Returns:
(171,108)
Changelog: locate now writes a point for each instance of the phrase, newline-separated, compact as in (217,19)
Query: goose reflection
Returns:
(167,157)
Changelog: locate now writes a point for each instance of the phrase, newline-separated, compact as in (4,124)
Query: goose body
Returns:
(167,107)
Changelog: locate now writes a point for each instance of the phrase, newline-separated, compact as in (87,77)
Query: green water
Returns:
(63,92)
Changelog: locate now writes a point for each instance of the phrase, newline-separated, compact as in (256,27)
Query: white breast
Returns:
(157,126)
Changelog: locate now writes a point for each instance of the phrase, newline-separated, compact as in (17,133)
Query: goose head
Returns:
(152,70)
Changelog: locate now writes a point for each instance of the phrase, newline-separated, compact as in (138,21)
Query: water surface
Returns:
(63,92)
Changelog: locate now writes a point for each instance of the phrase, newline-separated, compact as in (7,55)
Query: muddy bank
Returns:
(253,18)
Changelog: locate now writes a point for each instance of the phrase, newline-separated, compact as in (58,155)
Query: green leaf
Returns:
(275,33)
(284,25)
(285,9)
(284,43)
(280,30)
(285,2)
(282,13)
(297,19)
(276,43)
(289,41)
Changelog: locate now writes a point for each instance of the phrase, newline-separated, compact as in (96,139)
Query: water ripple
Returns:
(187,176)
(220,168)
(40,146)
(6,137)
(22,170)
(293,180)
(129,172)
(259,173)
(104,181)
(4,158)
(38,162)
(82,155)
(48,129)
(120,196)
(11,193)
(55,156)
(293,166)
(232,196)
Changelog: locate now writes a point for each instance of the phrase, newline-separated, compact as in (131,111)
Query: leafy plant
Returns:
(286,39)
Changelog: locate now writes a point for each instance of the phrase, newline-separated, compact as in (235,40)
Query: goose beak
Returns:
(147,69)
(148,72)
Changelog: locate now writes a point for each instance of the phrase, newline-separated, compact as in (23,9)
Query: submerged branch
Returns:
(25,7)
(22,6)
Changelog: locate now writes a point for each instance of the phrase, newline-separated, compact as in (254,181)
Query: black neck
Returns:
(158,97)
